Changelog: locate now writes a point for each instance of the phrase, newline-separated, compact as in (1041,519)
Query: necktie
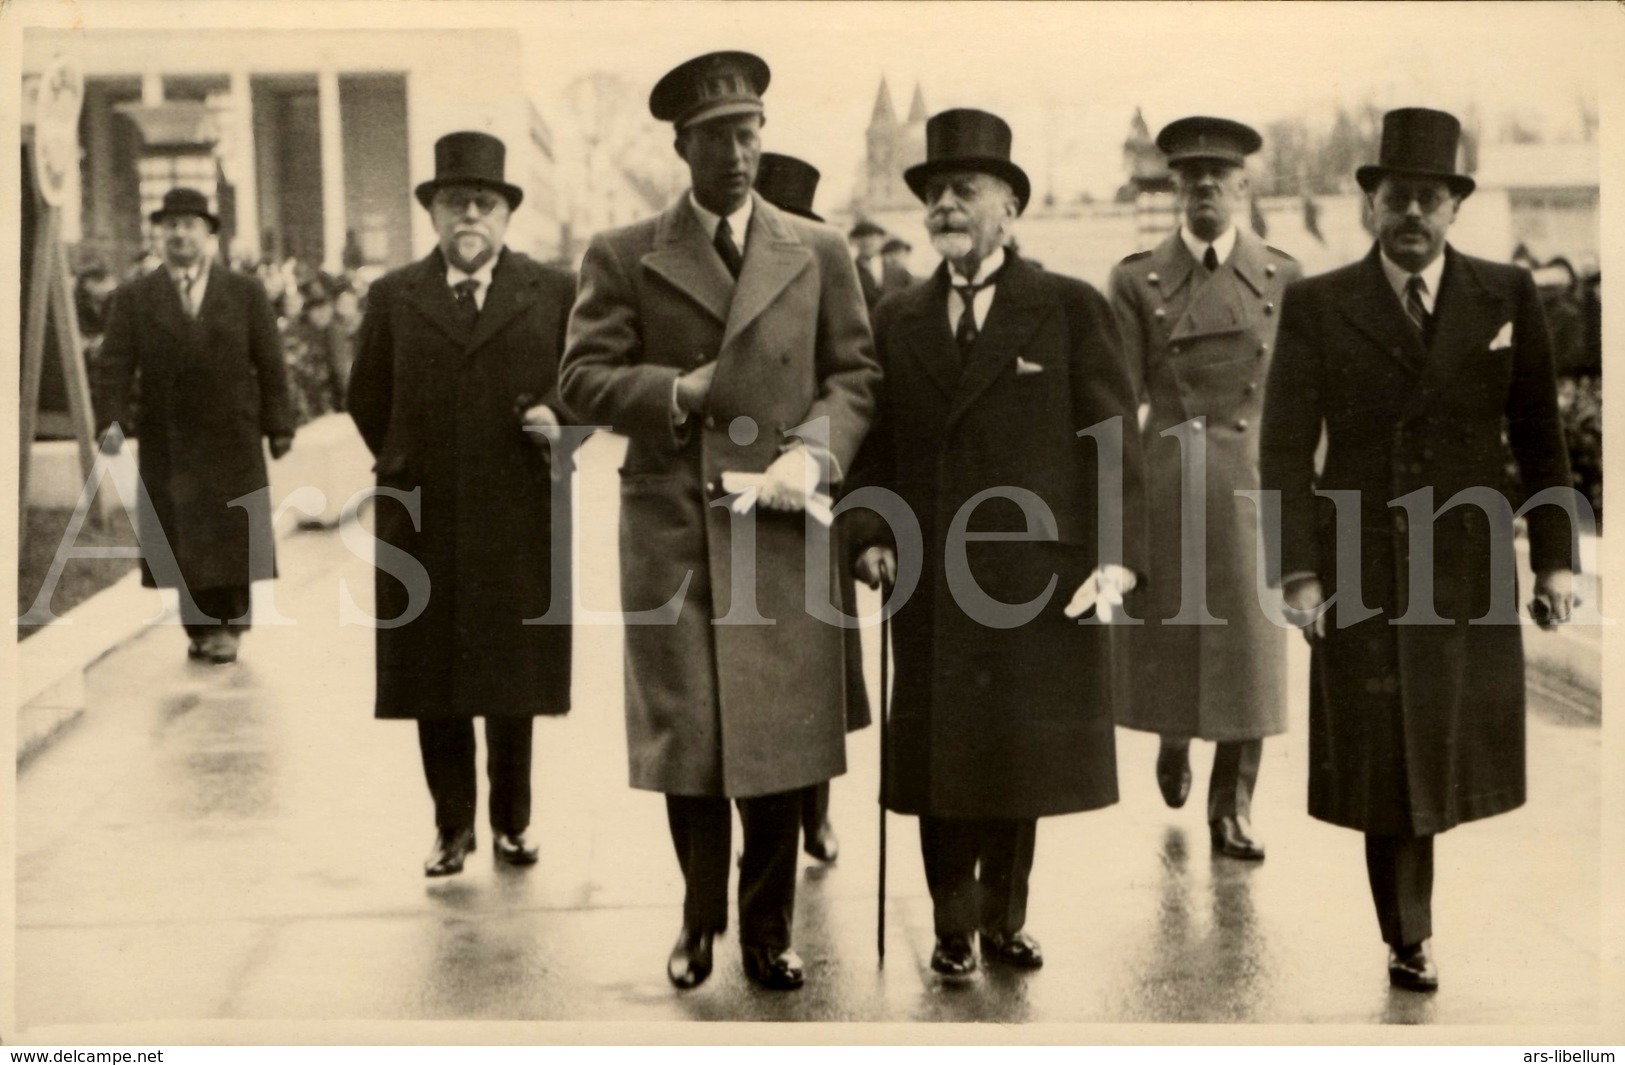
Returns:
(467,309)
(1210,259)
(732,258)
(186,283)
(1414,307)
(965,332)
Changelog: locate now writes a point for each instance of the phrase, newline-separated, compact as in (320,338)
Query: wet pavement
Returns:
(244,843)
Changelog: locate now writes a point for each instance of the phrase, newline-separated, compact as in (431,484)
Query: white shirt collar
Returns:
(196,271)
(481,276)
(988,265)
(738,222)
(1222,245)
(1399,277)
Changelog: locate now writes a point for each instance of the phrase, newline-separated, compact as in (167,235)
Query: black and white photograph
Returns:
(911,522)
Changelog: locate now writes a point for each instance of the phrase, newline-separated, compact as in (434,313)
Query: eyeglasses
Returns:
(1397,198)
(459,199)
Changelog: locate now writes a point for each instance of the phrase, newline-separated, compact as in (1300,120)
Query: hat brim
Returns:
(799,213)
(1216,155)
(1370,176)
(917,175)
(158,216)
(512,193)
(721,109)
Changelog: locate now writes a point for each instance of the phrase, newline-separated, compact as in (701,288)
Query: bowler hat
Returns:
(1421,142)
(710,86)
(469,158)
(181,201)
(896,244)
(968,139)
(788,183)
(864,228)
(1203,137)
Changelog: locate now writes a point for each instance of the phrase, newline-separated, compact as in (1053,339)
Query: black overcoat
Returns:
(440,407)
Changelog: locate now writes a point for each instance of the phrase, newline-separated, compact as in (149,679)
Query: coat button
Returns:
(710,488)
(710,422)
(1241,425)
(1252,386)
(1153,278)
(1269,308)
(1269,269)
(1200,424)
(1263,350)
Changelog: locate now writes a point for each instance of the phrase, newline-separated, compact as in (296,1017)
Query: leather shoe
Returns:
(514,849)
(822,844)
(222,647)
(196,650)
(1174,774)
(776,970)
(953,956)
(1412,968)
(690,961)
(449,851)
(1233,839)
(1012,948)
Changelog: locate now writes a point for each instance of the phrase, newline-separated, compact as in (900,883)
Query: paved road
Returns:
(243,843)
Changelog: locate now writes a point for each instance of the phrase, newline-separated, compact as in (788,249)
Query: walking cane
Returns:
(885,708)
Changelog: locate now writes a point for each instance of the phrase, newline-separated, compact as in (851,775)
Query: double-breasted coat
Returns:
(211,389)
(1003,717)
(737,690)
(439,404)
(1415,727)
(1198,346)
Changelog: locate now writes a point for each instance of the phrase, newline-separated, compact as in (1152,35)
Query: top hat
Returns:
(864,228)
(788,183)
(181,201)
(967,139)
(896,244)
(710,86)
(1421,142)
(1202,137)
(469,158)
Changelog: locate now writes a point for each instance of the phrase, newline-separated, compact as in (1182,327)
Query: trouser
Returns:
(215,607)
(1235,775)
(448,766)
(963,898)
(702,833)
(1401,873)
(814,808)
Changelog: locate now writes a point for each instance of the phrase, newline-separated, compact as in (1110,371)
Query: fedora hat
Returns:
(470,158)
(788,183)
(182,201)
(1421,142)
(1204,137)
(967,139)
(710,86)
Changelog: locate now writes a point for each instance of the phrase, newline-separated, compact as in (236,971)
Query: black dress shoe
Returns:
(195,649)
(1412,968)
(822,844)
(449,851)
(514,849)
(690,961)
(222,647)
(1012,948)
(1174,774)
(776,970)
(1232,838)
(953,956)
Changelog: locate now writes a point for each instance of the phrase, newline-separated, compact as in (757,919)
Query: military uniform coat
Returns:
(1414,728)
(440,405)
(1199,346)
(211,389)
(1011,717)
(718,700)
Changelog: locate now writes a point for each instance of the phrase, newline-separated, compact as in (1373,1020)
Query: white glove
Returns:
(789,482)
(541,424)
(877,565)
(1102,591)
(1303,597)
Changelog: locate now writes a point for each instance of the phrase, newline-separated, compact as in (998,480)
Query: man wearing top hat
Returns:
(1007,427)
(1198,314)
(454,389)
(1411,362)
(725,336)
(200,343)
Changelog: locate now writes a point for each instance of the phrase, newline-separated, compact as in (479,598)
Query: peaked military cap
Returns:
(1204,137)
(710,86)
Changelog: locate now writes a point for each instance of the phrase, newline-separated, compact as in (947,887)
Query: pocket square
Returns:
(1025,367)
(1503,339)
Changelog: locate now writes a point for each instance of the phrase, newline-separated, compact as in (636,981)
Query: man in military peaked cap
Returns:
(726,336)
(1198,314)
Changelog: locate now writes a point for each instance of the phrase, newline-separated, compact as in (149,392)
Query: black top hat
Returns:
(1202,137)
(185,201)
(710,86)
(864,228)
(470,158)
(788,183)
(896,244)
(1421,142)
(967,139)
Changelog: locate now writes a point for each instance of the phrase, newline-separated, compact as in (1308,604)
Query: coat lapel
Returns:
(684,258)
(1465,316)
(511,295)
(922,332)
(165,302)
(1016,313)
(1374,310)
(774,257)
(432,297)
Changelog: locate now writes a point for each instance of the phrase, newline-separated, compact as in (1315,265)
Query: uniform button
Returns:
(1159,314)
(710,422)
(1153,278)
(1241,425)
(1201,423)
(1252,386)
(711,487)
(1269,308)
(1263,350)
(1269,269)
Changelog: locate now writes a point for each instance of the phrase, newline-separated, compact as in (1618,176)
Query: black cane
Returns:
(885,708)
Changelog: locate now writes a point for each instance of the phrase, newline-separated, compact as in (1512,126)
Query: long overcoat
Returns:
(1198,346)
(440,405)
(995,714)
(211,389)
(736,689)
(1415,727)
